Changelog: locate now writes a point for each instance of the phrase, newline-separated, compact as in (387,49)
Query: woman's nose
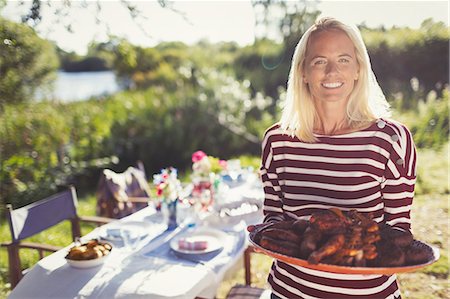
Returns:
(331,68)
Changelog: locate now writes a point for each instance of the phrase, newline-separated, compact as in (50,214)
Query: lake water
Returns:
(82,85)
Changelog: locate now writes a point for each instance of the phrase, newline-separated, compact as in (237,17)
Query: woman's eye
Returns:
(344,60)
(318,62)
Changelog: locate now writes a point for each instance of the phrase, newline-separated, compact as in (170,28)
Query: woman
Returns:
(333,149)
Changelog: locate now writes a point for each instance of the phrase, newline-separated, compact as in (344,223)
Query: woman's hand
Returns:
(254,227)
(257,227)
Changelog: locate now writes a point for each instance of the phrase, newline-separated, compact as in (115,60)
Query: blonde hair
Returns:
(366,102)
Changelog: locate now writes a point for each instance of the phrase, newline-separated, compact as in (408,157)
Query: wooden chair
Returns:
(36,217)
(246,291)
(121,194)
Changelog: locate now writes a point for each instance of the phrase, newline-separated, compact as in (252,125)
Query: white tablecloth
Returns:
(152,272)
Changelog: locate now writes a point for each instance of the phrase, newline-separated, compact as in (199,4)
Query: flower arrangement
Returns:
(168,185)
(203,166)
(204,178)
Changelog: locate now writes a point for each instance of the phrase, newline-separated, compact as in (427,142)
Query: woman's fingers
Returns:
(254,227)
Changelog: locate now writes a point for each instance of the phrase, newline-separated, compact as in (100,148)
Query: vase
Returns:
(204,194)
(171,207)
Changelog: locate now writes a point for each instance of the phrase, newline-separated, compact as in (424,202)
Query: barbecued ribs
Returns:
(347,238)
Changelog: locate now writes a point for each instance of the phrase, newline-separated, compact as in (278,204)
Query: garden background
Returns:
(217,97)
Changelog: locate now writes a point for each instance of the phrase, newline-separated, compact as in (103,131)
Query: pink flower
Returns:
(223,164)
(197,156)
(160,189)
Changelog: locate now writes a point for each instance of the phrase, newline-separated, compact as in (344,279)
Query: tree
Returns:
(279,26)
(61,9)
(26,62)
(409,63)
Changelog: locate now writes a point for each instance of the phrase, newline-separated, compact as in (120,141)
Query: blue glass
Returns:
(172,215)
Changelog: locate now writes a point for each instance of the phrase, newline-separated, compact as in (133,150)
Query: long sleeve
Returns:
(399,179)
(273,196)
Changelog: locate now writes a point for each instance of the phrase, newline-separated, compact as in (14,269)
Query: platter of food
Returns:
(343,242)
(87,255)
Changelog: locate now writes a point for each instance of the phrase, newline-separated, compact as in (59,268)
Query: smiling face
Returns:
(330,68)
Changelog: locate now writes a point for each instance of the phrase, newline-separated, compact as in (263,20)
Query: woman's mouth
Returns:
(332,85)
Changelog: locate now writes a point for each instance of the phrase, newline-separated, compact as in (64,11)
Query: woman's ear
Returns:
(357,71)
(304,79)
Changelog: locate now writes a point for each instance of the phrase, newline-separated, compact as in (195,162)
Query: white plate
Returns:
(216,240)
(112,232)
(87,263)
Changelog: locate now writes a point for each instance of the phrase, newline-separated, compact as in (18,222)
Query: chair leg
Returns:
(15,271)
(248,274)
(76,230)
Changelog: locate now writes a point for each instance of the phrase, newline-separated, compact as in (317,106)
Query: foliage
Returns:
(428,121)
(61,9)
(432,169)
(429,125)
(217,164)
(26,135)
(410,63)
(250,161)
(168,65)
(265,65)
(27,62)
(48,145)
(139,68)
(177,121)
(96,60)
(432,124)
(267,62)
(43,147)
(103,51)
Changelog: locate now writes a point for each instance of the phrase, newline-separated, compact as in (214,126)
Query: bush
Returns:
(401,54)
(432,171)
(32,138)
(27,62)
(429,121)
(47,145)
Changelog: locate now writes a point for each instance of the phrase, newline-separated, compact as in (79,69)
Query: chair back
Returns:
(41,215)
(116,190)
(34,218)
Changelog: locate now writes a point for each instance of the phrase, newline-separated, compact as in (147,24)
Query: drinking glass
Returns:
(130,237)
(234,168)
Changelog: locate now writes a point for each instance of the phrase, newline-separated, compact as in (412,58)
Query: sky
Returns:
(211,20)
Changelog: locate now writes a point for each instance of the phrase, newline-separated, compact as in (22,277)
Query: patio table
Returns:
(151,271)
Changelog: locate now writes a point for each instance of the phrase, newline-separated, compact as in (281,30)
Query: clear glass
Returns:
(130,238)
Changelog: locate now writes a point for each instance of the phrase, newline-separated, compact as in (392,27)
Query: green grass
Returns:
(433,169)
(430,216)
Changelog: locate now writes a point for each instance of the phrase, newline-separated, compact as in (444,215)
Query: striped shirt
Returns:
(371,170)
